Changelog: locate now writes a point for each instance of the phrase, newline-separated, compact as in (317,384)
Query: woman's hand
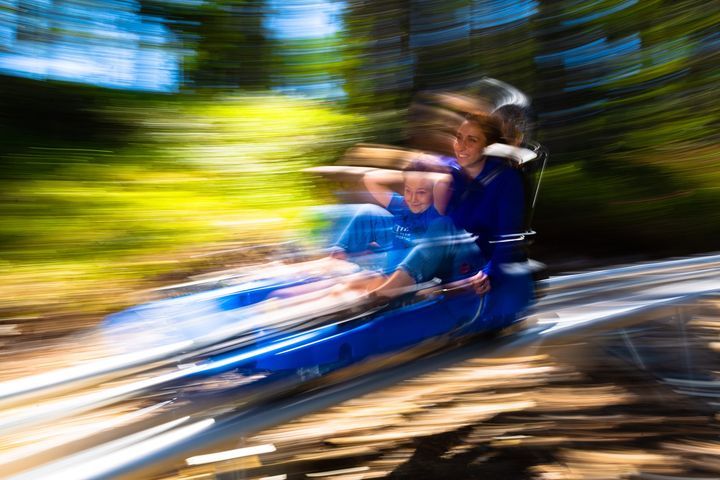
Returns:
(480,283)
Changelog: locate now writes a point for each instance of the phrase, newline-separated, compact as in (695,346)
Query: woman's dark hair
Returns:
(516,122)
(490,125)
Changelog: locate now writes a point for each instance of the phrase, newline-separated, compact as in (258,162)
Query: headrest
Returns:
(517,155)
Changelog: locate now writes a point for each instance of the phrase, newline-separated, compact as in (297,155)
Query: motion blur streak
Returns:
(488,410)
(110,447)
(334,473)
(146,142)
(107,194)
(534,398)
(75,432)
(48,379)
(103,460)
(230,454)
(399,413)
(613,464)
(68,406)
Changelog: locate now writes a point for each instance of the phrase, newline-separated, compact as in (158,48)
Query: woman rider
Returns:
(487,200)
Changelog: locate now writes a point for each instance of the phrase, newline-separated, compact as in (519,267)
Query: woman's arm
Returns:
(442,191)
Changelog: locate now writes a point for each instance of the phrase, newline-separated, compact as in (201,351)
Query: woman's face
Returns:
(469,144)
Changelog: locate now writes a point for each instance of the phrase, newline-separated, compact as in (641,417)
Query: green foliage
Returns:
(105,186)
(635,147)
(197,172)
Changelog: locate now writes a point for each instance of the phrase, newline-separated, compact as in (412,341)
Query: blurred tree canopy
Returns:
(622,89)
(624,93)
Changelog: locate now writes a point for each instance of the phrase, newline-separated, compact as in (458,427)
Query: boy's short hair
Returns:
(426,163)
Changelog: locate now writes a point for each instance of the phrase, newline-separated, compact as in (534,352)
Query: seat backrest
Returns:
(530,160)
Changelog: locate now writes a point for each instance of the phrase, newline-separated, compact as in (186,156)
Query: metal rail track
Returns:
(170,430)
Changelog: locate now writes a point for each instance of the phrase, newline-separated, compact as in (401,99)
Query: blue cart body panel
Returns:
(350,337)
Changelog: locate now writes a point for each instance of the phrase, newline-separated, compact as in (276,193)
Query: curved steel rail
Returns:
(605,299)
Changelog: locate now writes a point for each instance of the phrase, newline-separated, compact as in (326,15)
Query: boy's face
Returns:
(418,191)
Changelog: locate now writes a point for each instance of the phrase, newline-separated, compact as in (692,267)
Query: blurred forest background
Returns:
(143,138)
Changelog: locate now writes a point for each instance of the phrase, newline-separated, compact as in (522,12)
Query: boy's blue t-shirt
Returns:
(442,250)
(408,227)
